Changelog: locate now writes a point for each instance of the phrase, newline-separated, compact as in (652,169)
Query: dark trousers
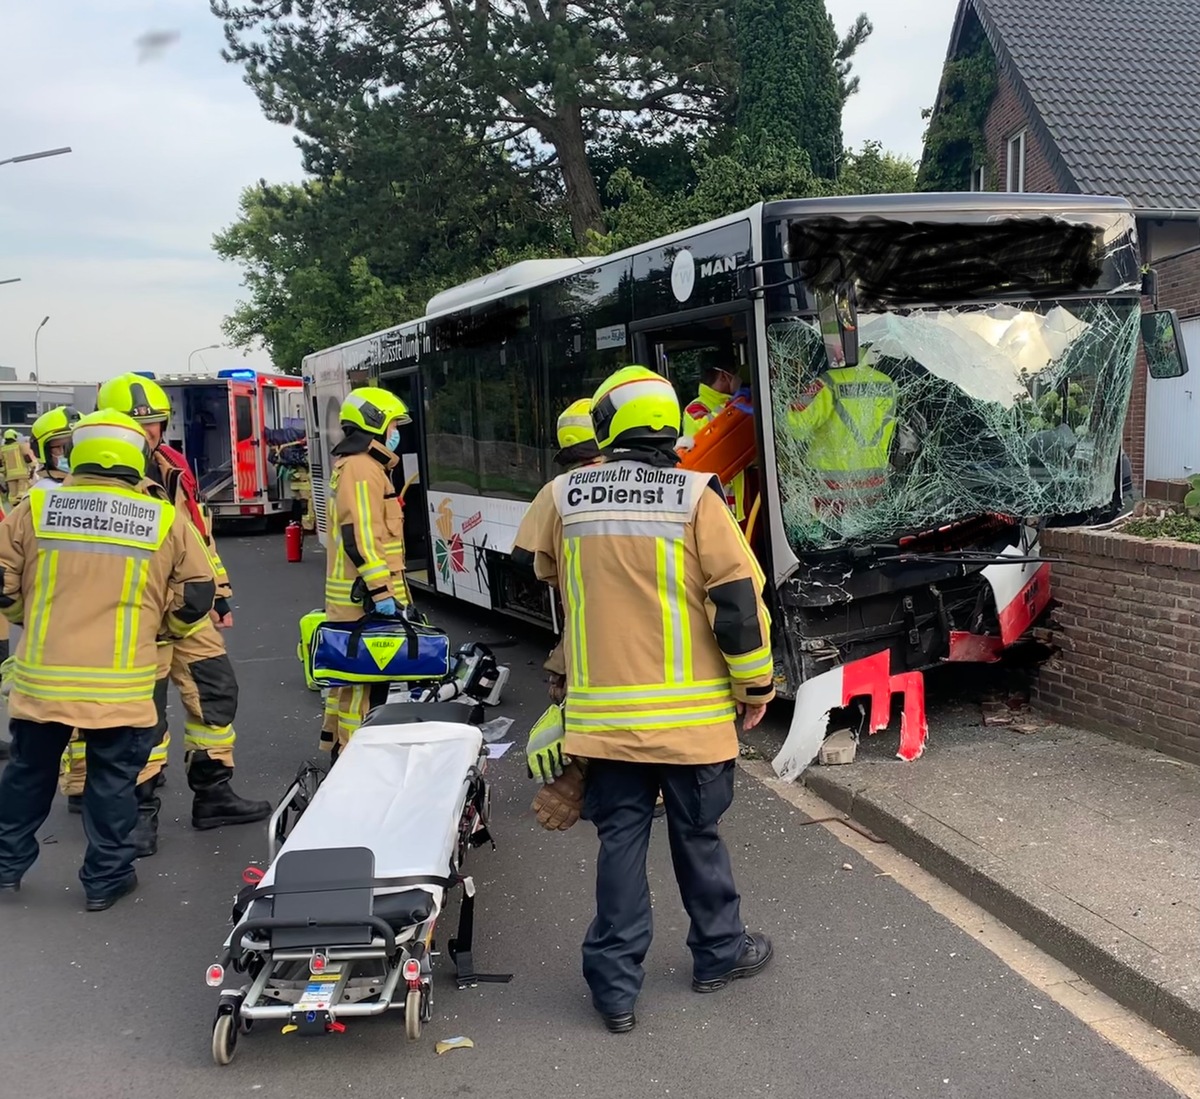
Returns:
(114,758)
(619,800)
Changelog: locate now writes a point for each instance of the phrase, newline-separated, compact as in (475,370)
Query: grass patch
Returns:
(1181,528)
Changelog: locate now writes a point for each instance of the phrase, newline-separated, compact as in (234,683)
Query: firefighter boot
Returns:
(215,803)
(145,832)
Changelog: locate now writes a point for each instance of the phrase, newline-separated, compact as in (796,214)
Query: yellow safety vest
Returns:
(847,418)
(701,412)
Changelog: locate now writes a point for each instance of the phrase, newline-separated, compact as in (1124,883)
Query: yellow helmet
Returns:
(10,436)
(371,409)
(142,398)
(110,443)
(635,405)
(51,427)
(575,424)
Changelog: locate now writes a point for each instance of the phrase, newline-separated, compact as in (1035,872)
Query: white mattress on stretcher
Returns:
(398,790)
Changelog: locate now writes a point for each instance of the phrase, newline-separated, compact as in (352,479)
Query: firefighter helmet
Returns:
(635,405)
(10,436)
(52,427)
(110,443)
(575,425)
(371,409)
(142,398)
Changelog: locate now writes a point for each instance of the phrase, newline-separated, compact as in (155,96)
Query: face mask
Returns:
(393,439)
(63,464)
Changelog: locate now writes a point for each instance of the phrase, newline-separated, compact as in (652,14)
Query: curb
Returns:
(1114,962)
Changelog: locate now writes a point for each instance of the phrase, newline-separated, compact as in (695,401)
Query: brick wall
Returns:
(1007,117)
(1130,660)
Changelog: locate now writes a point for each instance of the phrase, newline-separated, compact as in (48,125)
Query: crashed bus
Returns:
(1005,326)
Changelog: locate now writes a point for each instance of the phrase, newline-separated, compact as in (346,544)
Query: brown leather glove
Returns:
(556,688)
(558,804)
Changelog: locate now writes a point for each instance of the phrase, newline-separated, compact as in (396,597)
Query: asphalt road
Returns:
(871,993)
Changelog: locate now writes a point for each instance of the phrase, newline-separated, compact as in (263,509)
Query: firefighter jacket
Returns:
(169,469)
(94,571)
(847,418)
(366,527)
(700,413)
(665,627)
(15,465)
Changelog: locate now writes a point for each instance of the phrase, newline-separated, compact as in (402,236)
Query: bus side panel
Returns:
(463,528)
(326,386)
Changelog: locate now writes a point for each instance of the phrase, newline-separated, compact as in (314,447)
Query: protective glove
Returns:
(559,804)
(386,605)
(544,750)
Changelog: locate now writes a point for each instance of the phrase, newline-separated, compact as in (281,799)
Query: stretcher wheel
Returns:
(412,1014)
(224,1039)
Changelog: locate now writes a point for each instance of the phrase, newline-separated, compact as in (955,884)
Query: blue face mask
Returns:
(393,439)
(63,464)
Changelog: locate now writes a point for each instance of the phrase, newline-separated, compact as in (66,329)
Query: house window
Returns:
(978,179)
(1016,162)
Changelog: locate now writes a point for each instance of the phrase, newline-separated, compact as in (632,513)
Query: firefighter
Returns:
(50,439)
(666,641)
(93,572)
(365,565)
(16,467)
(846,418)
(198,664)
(717,387)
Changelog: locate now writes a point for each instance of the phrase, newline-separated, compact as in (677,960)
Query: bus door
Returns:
(687,351)
(247,447)
(411,475)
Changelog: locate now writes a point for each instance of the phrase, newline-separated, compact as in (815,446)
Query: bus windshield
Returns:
(1014,409)
(996,353)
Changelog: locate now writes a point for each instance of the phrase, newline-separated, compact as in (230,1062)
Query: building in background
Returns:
(1091,97)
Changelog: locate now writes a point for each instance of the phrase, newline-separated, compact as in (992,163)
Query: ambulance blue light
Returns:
(240,373)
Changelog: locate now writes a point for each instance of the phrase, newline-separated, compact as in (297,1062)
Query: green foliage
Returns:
(1191,502)
(1179,528)
(954,140)
(790,93)
(735,178)
(420,207)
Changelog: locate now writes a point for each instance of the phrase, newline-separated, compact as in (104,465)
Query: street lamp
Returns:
(210,347)
(37,370)
(36,156)
(5,282)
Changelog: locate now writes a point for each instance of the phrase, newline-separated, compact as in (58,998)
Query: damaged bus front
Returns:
(948,375)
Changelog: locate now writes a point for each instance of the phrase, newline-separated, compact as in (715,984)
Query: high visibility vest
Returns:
(12,455)
(847,418)
(702,411)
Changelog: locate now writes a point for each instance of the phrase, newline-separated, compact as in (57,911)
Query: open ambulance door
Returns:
(245,441)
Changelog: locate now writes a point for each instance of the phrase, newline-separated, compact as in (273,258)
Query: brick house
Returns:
(1101,97)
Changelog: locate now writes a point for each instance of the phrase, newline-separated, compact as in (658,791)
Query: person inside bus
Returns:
(718,384)
(845,419)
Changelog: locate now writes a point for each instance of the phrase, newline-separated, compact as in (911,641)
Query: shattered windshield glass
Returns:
(1014,409)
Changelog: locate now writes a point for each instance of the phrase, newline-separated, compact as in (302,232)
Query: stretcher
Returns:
(341,923)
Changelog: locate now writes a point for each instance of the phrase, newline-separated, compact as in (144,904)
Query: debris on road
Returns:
(454,1043)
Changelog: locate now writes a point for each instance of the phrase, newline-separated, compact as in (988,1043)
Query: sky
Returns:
(113,241)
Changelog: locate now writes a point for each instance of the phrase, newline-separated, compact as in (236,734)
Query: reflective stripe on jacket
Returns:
(847,417)
(665,627)
(367,533)
(700,413)
(95,570)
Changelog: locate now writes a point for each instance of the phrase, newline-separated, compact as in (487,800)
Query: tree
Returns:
(795,77)
(420,207)
(538,76)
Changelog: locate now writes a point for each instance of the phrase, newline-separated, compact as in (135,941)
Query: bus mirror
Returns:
(1166,356)
(838,311)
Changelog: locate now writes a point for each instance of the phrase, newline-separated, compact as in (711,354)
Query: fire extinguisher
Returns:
(294,540)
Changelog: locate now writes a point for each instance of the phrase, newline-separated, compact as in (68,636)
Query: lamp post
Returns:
(5,282)
(210,347)
(36,156)
(37,370)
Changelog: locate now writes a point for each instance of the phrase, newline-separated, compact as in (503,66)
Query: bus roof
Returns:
(530,274)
